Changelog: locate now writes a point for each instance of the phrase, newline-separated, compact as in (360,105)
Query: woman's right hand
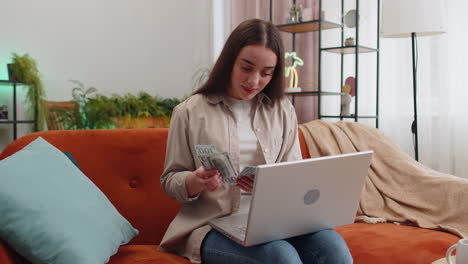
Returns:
(201,180)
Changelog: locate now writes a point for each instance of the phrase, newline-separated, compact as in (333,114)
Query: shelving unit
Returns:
(318,26)
(307,26)
(13,121)
(349,49)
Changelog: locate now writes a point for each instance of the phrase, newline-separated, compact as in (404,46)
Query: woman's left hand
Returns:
(246,183)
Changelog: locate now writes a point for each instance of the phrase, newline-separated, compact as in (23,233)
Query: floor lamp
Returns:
(411,18)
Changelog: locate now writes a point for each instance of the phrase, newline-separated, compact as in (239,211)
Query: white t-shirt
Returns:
(250,151)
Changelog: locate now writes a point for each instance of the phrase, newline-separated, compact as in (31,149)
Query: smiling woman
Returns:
(240,111)
(252,71)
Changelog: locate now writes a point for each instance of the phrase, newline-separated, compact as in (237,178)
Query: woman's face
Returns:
(252,71)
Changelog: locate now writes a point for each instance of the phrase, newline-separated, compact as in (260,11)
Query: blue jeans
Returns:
(325,246)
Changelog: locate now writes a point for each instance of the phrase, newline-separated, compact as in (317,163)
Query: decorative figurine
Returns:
(3,112)
(348,92)
(295,14)
(294,80)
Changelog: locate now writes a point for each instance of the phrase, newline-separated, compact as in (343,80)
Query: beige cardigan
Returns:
(203,120)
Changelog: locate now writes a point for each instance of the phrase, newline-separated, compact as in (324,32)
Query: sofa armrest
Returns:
(5,254)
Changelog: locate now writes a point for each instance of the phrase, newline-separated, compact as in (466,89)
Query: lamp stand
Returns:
(414,125)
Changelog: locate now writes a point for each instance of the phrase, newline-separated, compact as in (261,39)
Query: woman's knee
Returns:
(217,248)
(279,251)
(335,249)
(325,246)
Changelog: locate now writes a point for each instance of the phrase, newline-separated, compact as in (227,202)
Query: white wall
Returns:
(118,46)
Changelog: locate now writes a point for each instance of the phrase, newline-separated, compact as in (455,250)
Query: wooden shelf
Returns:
(350,49)
(316,46)
(307,26)
(17,121)
(9,82)
(312,93)
(352,117)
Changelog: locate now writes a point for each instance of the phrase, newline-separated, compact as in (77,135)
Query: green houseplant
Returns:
(73,118)
(130,111)
(349,41)
(97,111)
(24,70)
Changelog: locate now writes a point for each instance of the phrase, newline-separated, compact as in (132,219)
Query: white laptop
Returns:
(299,197)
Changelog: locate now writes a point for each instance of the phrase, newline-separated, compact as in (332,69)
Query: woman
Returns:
(242,110)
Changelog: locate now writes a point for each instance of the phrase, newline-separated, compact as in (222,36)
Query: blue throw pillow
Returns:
(71,158)
(50,212)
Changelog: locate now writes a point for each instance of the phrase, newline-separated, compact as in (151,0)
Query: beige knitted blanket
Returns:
(398,188)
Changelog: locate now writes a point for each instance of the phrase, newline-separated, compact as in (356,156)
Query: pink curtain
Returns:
(306,46)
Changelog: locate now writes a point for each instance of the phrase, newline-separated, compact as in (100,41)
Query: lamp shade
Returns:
(400,18)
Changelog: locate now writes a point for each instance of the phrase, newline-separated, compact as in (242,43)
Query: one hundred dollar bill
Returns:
(203,151)
(210,158)
(222,162)
(248,171)
(206,149)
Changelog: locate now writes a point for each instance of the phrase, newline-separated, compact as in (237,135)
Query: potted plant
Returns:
(349,41)
(97,111)
(24,69)
(143,110)
(129,111)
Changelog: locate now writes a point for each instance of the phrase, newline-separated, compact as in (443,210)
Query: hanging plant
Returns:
(24,70)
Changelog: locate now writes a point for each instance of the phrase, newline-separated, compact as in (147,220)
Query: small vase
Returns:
(11,74)
(345,105)
(349,42)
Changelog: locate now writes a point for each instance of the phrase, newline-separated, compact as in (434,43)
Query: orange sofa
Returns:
(126,164)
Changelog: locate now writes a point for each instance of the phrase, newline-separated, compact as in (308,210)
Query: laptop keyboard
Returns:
(242,228)
(233,226)
(241,231)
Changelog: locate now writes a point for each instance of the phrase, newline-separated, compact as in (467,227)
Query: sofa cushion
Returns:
(125,164)
(5,256)
(52,213)
(369,243)
(388,243)
(135,254)
(71,158)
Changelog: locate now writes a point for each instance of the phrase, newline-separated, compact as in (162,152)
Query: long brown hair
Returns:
(249,32)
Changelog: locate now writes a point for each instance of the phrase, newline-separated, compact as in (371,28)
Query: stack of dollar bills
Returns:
(211,158)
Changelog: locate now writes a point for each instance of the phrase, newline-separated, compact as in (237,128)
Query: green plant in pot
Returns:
(24,69)
(139,111)
(97,111)
(73,118)
(349,41)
